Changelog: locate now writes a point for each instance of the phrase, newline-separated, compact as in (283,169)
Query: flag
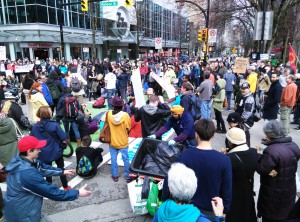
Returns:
(292,58)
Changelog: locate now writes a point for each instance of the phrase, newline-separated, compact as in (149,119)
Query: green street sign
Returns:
(103,4)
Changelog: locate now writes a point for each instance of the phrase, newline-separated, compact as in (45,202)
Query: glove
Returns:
(152,136)
(171,142)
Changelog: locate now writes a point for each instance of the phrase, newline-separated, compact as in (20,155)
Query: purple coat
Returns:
(277,194)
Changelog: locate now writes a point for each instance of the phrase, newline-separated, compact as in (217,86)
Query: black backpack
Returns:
(195,107)
(54,91)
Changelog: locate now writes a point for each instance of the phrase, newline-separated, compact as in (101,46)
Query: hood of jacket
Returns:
(117,118)
(34,96)
(173,212)
(17,164)
(287,139)
(5,125)
(151,110)
(221,83)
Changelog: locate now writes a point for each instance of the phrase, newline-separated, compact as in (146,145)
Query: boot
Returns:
(78,142)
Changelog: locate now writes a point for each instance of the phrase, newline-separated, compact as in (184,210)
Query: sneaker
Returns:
(128,180)
(116,179)
(297,128)
(67,188)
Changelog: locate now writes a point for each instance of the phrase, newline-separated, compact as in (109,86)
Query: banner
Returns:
(137,88)
(166,86)
(293,59)
(158,43)
(240,65)
(2,52)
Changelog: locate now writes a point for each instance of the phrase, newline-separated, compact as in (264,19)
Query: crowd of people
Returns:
(211,186)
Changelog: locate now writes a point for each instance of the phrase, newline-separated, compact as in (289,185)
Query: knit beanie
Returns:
(236,136)
(177,109)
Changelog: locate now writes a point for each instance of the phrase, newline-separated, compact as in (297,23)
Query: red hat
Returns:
(30,142)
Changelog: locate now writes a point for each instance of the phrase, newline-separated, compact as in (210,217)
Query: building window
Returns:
(21,14)
(31,13)
(42,14)
(12,14)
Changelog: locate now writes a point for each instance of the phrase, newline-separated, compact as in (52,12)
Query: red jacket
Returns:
(136,128)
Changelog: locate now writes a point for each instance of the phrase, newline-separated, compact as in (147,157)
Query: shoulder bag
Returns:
(61,144)
(105,136)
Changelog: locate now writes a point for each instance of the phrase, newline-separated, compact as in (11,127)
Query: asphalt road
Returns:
(110,201)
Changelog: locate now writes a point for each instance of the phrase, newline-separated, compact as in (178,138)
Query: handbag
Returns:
(152,201)
(225,103)
(105,136)
(19,132)
(60,143)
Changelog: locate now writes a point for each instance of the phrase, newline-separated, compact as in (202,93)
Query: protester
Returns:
(252,79)
(277,167)
(205,93)
(244,162)
(183,124)
(213,170)
(235,120)
(26,186)
(230,81)
(50,130)
(182,184)
(88,158)
(76,82)
(119,124)
(263,85)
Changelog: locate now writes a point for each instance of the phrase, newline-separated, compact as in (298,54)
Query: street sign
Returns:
(119,50)
(158,43)
(85,49)
(2,52)
(264,57)
(103,4)
(212,35)
(268,25)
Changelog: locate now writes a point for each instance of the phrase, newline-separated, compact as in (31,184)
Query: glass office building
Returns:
(31,28)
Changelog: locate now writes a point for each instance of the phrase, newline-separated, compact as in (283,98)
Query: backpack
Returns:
(75,84)
(71,104)
(99,103)
(84,166)
(54,92)
(195,107)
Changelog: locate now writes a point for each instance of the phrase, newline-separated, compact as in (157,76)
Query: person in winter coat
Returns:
(123,78)
(26,186)
(59,88)
(183,185)
(186,91)
(51,131)
(230,79)
(151,116)
(244,162)
(252,79)
(45,90)
(119,124)
(218,104)
(169,75)
(183,124)
(136,127)
(74,84)
(277,167)
(36,98)
(8,139)
(272,99)
(263,84)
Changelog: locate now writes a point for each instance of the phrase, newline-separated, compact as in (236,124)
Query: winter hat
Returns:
(236,136)
(117,101)
(245,85)
(234,118)
(30,142)
(177,109)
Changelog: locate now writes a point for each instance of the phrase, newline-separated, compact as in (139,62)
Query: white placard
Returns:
(85,49)
(137,88)
(24,68)
(158,43)
(166,86)
(119,50)
(212,35)
(2,52)
(264,57)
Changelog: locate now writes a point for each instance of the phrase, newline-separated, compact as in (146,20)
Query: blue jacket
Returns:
(26,188)
(195,71)
(47,94)
(229,77)
(51,151)
(180,73)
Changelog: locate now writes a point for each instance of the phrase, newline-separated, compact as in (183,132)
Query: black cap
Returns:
(234,118)
(245,85)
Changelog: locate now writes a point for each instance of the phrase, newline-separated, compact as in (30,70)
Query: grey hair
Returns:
(182,182)
(275,129)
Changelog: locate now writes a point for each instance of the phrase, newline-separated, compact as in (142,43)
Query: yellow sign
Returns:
(233,50)
(240,65)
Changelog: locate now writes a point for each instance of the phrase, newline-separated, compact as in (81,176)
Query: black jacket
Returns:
(92,154)
(277,194)
(271,106)
(16,113)
(152,118)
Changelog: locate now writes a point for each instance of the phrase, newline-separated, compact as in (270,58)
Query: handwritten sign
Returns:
(137,88)
(166,86)
(240,65)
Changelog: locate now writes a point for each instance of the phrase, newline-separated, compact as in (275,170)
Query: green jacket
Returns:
(8,141)
(219,99)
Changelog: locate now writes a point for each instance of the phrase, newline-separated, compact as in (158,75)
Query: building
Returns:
(31,28)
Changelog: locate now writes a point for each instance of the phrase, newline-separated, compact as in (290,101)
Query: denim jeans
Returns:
(114,165)
(110,93)
(260,96)
(123,94)
(143,79)
(228,97)
(205,109)
(74,127)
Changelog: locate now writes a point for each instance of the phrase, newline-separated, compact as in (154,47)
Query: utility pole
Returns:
(262,42)
(93,13)
(61,22)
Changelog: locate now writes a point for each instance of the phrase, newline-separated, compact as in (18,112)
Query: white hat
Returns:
(236,136)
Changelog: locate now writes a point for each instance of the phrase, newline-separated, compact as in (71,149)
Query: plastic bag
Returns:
(166,155)
(150,165)
(146,188)
(138,205)
(152,201)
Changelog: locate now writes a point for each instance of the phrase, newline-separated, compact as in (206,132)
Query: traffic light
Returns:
(84,5)
(128,3)
(204,35)
(200,35)
(204,48)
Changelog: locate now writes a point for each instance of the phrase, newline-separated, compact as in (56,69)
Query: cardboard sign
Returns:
(138,88)
(166,86)
(2,52)
(240,65)
(20,69)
